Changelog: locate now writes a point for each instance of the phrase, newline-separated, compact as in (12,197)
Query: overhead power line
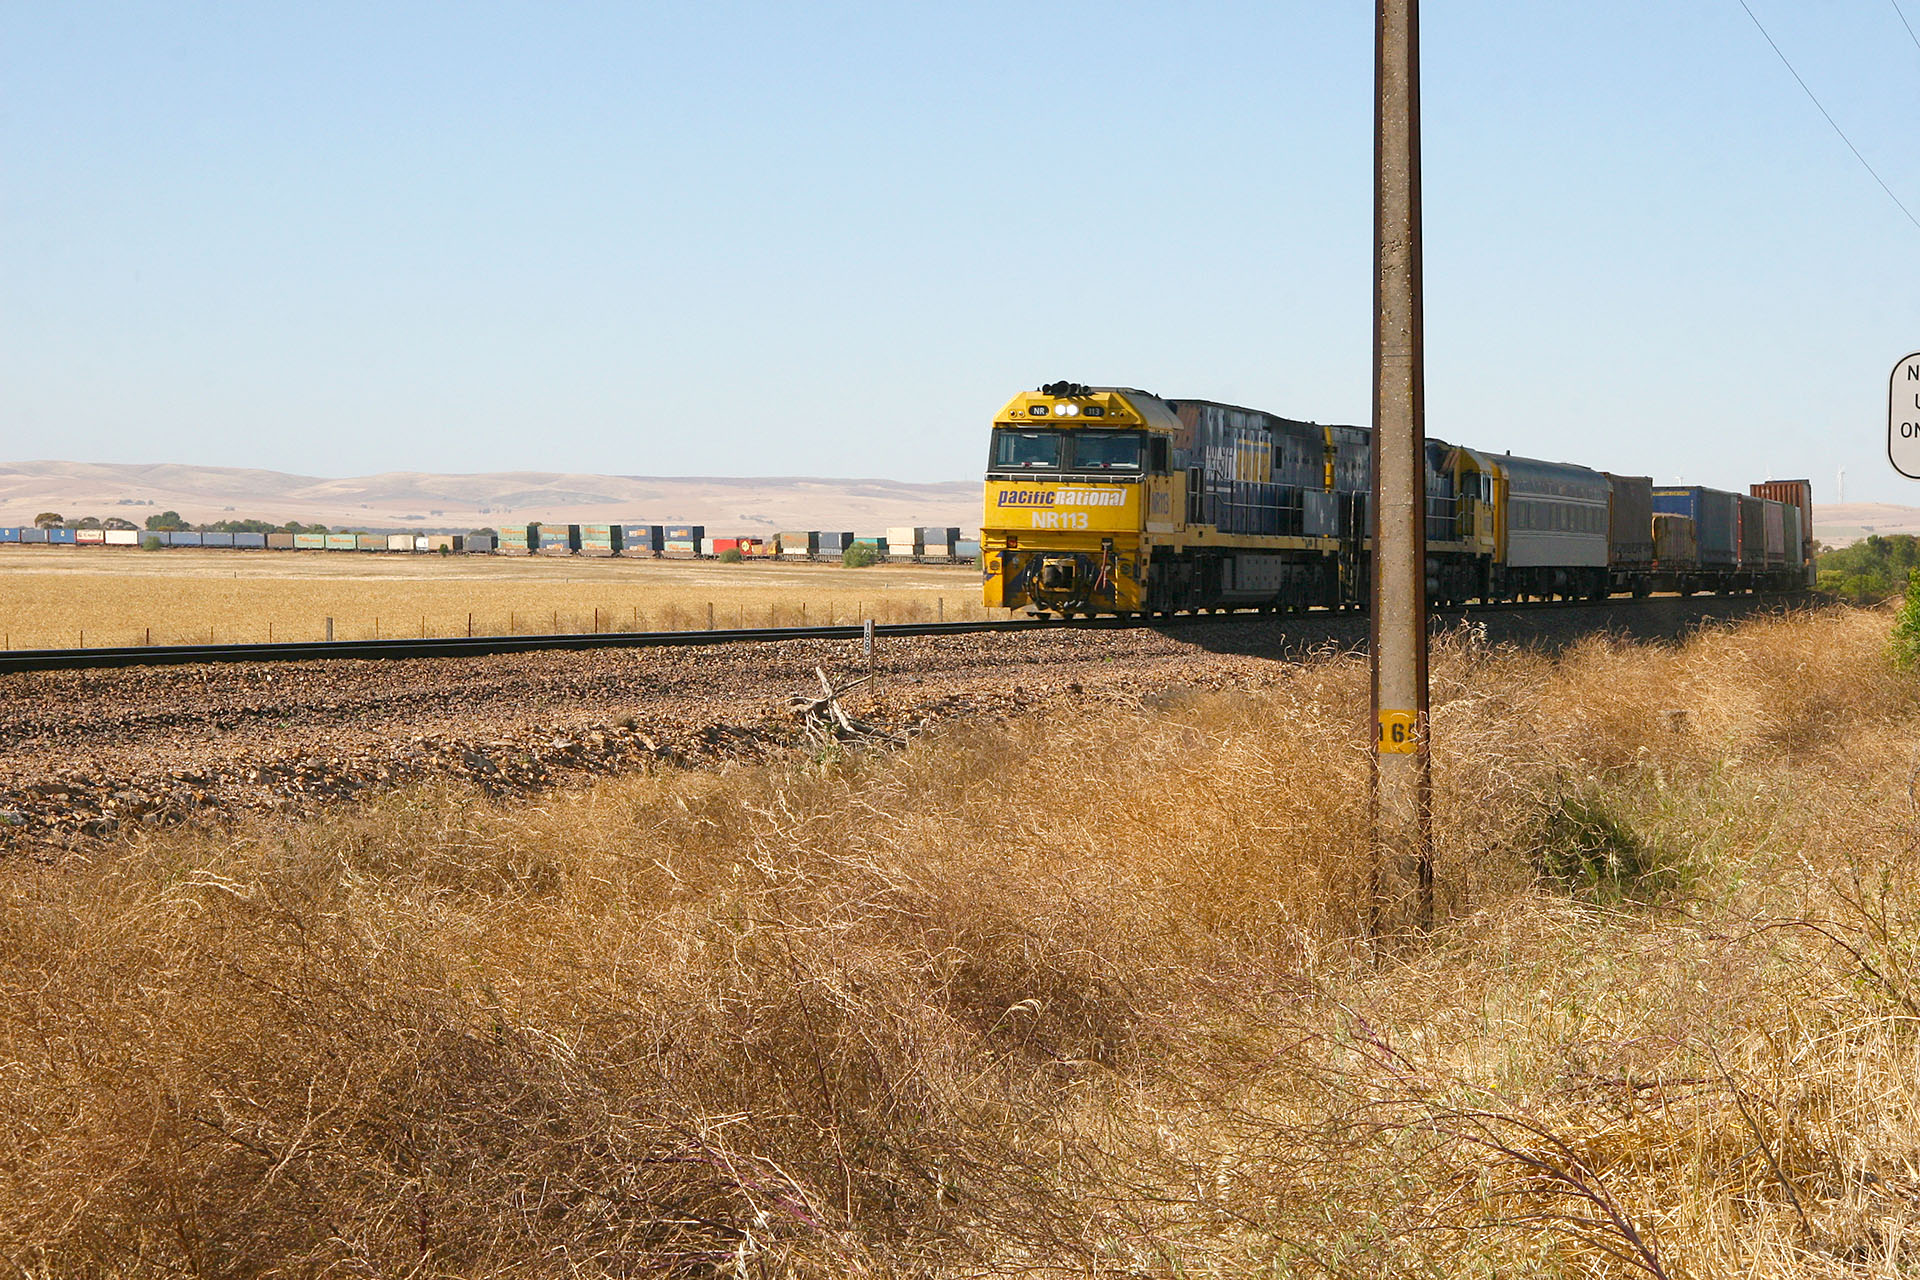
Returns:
(1828,116)
(1905,23)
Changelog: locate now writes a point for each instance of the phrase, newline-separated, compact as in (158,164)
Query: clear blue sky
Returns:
(830,239)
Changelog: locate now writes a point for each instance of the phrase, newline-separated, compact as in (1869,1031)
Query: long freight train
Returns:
(920,544)
(1112,500)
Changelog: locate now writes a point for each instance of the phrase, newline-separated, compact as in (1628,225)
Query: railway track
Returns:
(22,660)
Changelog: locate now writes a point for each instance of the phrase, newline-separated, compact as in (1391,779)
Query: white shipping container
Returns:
(399,542)
(123,537)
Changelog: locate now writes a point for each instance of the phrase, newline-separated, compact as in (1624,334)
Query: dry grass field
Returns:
(1089,995)
(64,598)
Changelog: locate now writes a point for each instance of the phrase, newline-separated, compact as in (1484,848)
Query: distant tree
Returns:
(1904,645)
(1871,569)
(49,519)
(115,522)
(242,526)
(88,522)
(151,543)
(859,557)
(166,520)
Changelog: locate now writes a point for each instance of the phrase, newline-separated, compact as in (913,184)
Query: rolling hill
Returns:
(423,500)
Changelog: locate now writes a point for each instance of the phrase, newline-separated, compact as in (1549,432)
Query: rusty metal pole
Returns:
(1402,781)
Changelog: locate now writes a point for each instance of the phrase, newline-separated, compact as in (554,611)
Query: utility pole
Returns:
(1402,792)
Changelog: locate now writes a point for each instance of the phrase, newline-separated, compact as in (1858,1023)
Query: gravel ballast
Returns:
(93,754)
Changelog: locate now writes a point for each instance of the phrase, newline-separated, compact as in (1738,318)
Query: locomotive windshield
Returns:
(1106,450)
(1020,449)
(1026,450)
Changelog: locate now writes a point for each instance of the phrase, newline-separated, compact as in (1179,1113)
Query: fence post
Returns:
(329,630)
(709,615)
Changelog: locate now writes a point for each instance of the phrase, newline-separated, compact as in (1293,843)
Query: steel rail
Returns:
(103,658)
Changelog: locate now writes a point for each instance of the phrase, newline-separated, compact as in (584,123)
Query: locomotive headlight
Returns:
(1069,410)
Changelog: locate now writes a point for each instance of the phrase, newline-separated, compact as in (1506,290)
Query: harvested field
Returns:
(62,597)
(1085,992)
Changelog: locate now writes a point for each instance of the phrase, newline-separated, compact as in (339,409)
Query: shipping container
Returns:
(559,539)
(798,544)
(32,533)
(369,542)
(340,541)
(686,532)
(282,541)
(598,539)
(904,543)
(9,533)
(1630,521)
(1791,515)
(682,548)
(90,537)
(479,544)
(216,539)
(1773,519)
(1797,494)
(63,537)
(1716,521)
(642,539)
(114,538)
(967,549)
(756,548)
(518,539)
(933,535)
(876,545)
(442,542)
(1674,547)
(250,541)
(716,546)
(833,543)
(186,538)
(1753,532)
(311,541)
(399,542)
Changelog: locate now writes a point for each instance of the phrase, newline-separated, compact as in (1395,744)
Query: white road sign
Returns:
(1903,417)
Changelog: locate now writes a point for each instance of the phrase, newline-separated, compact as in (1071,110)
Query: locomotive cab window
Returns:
(1106,450)
(1016,450)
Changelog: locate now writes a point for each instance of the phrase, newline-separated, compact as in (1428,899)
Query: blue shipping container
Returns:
(1715,515)
(10,534)
(184,538)
(62,537)
(30,533)
(250,540)
(216,539)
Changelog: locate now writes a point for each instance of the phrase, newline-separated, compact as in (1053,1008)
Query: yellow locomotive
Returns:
(1112,500)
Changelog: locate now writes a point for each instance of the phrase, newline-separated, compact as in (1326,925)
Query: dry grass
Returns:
(60,598)
(1085,994)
